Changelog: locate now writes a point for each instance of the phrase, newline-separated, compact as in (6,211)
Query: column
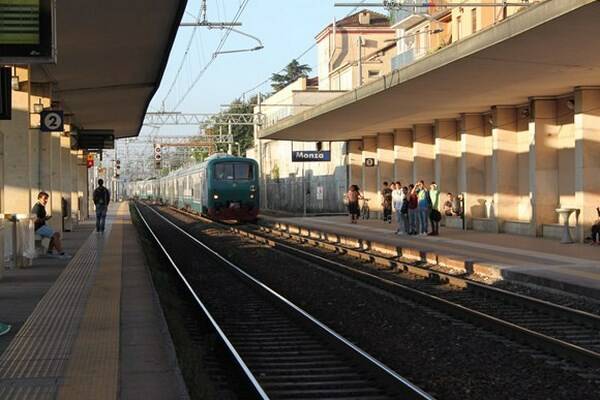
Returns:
(74,190)
(403,156)
(543,164)
(355,164)
(587,159)
(423,153)
(17,193)
(505,163)
(56,181)
(447,154)
(369,177)
(82,179)
(385,158)
(471,166)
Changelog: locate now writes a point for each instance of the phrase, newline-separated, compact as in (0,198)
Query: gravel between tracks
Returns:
(447,358)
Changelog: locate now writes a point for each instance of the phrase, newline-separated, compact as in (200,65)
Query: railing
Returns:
(403,59)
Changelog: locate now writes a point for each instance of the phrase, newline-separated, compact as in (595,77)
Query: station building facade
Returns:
(507,114)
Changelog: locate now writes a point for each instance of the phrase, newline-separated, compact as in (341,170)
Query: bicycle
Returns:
(365,210)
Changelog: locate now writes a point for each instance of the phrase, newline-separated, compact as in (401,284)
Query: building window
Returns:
(373,73)
(473,20)
(458,27)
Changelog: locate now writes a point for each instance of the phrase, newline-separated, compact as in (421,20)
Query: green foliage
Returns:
(293,71)
(242,134)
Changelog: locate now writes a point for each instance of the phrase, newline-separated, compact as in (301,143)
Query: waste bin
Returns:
(19,240)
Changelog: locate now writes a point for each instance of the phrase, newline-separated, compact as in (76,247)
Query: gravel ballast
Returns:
(448,358)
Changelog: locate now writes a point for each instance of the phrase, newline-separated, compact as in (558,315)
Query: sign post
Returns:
(52,121)
(310,156)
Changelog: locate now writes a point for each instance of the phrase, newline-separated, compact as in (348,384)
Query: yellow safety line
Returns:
(93,368)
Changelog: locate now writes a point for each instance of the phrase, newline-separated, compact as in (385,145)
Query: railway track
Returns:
(280,350)
(565,332)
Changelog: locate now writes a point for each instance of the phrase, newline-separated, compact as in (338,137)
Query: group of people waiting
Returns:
(417,207)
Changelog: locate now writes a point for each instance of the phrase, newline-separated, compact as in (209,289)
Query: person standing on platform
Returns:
(413,203)
(101,201)
(386,196)
(434,215)
(423,207)
(39,209)
(397,197)
(596,229)
(353,196)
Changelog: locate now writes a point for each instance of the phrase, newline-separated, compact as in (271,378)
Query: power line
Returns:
(218,49)
(296,58)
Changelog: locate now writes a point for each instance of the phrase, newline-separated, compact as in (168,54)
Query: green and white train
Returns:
(223,187)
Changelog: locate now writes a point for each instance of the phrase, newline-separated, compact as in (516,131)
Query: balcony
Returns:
(403,59)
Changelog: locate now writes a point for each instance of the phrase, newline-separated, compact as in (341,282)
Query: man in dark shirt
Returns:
(101,200)
(39,209)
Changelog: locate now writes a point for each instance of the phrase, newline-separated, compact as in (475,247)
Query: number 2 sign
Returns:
(52,121)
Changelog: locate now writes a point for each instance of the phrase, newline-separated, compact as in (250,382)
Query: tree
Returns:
(242,134)
(293,71)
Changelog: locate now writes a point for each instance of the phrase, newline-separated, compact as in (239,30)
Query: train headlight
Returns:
(253,188)
(216,196)
(251,196)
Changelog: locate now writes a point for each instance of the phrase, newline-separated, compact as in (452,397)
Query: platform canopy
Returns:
(545,50)
(111,57)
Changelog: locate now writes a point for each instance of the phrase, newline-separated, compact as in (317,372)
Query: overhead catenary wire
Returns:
(224,38)
(296,58)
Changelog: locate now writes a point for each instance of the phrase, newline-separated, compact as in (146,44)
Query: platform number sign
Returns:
(52,121)
(369,162)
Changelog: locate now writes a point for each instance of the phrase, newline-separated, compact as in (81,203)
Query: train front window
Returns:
(234,171)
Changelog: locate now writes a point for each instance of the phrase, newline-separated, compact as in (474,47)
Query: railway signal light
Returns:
(90,161)
(157,152)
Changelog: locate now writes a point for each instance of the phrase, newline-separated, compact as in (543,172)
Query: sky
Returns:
(286,28)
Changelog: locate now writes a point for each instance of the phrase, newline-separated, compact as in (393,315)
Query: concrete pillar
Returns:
(355,164)
(505,163)
(74,190)
(447,154)
(565,124)
(82,179)
(17,193)
(369,177)
(423,153)
(403,156)
(385,159)
(524,140)
(587,155)
(543,164)
(54,207)
(471,167)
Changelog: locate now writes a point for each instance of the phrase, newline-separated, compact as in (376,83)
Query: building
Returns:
(506,114)
(351,52)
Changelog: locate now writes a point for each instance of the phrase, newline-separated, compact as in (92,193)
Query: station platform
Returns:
(90,327)
(572,268)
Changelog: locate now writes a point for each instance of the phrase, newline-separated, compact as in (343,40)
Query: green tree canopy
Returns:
(293,71)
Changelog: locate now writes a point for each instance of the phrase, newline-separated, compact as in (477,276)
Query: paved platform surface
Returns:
(88,328)
(571,267)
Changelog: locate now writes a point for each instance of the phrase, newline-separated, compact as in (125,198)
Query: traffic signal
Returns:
(157,152)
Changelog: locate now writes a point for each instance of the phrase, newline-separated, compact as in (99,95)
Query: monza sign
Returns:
(52,121)
(306,156)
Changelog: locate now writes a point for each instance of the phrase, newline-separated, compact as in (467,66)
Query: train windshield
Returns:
(234,171)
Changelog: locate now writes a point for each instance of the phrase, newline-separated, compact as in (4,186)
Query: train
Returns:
(223,187)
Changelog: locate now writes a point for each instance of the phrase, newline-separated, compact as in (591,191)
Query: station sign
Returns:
(52,120)
(307,156)
(5,94)
(27,32)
